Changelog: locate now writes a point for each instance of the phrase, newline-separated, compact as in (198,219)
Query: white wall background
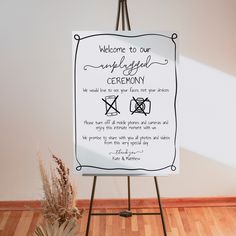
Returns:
(36,109)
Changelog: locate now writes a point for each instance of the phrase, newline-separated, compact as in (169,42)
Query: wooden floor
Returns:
(202,221)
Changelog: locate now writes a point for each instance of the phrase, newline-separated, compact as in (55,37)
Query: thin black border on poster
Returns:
(80,166)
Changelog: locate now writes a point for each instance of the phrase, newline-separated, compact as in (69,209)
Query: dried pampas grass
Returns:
(59,210)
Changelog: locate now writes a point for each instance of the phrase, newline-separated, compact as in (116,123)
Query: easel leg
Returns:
(91,205)
(159,202)
(129,205)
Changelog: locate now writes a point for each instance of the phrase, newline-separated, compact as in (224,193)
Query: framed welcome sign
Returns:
(125,95)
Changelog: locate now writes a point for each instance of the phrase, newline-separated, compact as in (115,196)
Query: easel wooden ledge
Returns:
(123,12)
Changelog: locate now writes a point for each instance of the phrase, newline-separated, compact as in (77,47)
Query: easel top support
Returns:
(124,14)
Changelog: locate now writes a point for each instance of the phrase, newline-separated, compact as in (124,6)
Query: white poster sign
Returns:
(125,92)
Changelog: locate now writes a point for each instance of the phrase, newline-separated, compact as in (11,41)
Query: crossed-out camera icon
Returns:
(140,105)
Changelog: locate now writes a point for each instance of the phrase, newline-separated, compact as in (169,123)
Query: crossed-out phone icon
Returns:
(137,105)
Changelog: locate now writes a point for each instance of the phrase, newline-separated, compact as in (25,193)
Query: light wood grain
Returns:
(3,219)
(24,223)
(10,226)
(200,221)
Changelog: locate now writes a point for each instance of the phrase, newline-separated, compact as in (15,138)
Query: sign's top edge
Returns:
(79,35)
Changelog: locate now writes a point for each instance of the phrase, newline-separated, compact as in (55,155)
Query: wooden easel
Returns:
(124,16)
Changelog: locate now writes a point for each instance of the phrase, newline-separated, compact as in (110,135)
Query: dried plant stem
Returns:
(59,196)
